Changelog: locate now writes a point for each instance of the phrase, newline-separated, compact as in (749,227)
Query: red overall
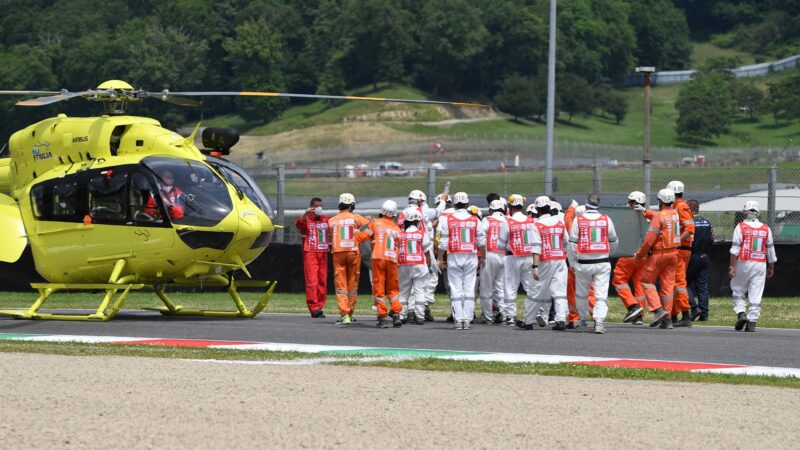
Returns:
(316,245)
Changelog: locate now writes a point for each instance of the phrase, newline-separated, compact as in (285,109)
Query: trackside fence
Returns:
(721,191)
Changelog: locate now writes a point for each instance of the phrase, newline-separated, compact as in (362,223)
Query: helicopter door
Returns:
(151,233)
(108,239)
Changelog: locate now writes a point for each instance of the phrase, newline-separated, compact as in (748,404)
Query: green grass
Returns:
(743,132)
(147,351)
(578,370)
(777,312)
(702,52)
(429,364)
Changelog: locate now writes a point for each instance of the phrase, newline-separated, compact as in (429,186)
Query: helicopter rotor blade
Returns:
(29,92)
(326,97)
(170,97)
(60,96)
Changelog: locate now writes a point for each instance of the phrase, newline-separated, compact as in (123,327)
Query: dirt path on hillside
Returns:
(116,402)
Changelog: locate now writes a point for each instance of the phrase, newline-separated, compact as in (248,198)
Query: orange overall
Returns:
(660,242)
(384,235)
(625,270)
(346,258)
(684,254)
(628,269)
(573,316)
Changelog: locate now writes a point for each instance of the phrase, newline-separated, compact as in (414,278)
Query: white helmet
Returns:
(497,205)
(638,197)
(666,196)
(555,206)
(389,208)
(461,197)
(412,214)
(752,206)
(516,200)
(531,209)
(417,195)
(347,199)
(542,201)
(676,186)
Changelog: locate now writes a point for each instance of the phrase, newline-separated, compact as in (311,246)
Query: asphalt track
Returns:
(766,347)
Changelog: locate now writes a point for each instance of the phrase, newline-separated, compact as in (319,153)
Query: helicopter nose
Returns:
(249,227)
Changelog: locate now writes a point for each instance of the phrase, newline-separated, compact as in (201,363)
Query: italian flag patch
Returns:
(555,241)
(527,237)
(758,244)
(676,228)
(346,233)
(596,235)
(321,237)
(389,242)
(413,247)
(466,237)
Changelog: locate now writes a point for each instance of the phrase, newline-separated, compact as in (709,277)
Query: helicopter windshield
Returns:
(244,182)
(191,192)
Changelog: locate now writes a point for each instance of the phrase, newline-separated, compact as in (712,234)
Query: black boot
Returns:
(658,316)
(428,315)
(686,320)
(741,321)
(751,327)
(634,311)
(696,313)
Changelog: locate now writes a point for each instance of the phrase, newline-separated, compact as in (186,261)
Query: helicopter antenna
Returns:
(3,150)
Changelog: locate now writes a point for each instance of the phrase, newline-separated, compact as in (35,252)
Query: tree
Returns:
(748,98)
(517,42)
(705,107)
(451,35)
(256,56)
(519,97)
(783,98)
(662,34)
(617,106)
(576,95)
(381,33)
(595,38)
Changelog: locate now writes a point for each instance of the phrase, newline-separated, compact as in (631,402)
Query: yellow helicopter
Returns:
(118,203)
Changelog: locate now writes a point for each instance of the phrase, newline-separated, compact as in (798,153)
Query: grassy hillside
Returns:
(321,124)
(323,113)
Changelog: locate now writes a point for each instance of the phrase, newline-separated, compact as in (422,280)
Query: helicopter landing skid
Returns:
(110,306)
(242,311)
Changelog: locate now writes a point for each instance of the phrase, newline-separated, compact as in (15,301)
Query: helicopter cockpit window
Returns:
(191,192)
(144,206)
(56,200)
(108,196)
(242,184)
(65,200)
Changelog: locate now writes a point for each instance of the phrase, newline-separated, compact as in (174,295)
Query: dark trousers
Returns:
(697,281)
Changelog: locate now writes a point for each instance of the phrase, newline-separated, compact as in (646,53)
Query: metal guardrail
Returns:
(684,76)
